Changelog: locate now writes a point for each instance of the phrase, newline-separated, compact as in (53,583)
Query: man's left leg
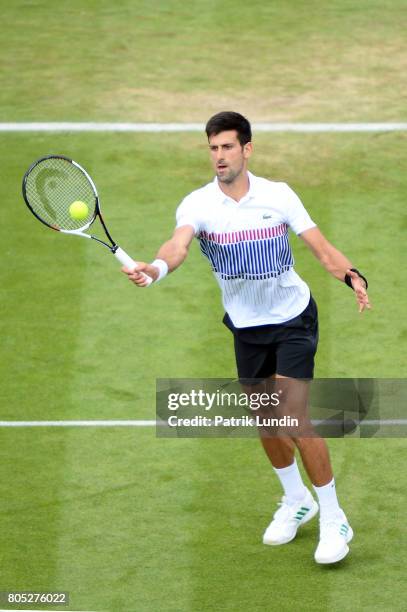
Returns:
(336,532)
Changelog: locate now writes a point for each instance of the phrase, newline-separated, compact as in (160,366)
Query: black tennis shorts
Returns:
(287,348)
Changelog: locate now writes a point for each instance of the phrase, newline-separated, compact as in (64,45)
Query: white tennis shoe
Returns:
(336,533)
(283,528)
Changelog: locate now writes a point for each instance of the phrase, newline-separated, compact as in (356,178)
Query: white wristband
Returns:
(162,266)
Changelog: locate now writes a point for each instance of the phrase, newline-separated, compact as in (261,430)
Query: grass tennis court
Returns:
(123,521)
(154,60)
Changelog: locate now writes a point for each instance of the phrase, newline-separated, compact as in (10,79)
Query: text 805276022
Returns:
(30,597)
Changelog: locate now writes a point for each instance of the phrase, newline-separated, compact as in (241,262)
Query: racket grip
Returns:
(127,261)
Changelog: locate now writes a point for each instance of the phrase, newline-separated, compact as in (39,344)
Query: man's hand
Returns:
(173,252)
(359,287)
(138,279)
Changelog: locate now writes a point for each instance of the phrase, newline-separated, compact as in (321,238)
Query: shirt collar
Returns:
(222,197)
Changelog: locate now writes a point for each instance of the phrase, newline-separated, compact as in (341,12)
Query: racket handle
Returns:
(127,261)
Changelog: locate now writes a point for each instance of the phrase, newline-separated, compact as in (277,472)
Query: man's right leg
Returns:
(335,529)
(280,451)
(297,505)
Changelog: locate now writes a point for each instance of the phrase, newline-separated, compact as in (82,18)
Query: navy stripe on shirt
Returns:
(249,254)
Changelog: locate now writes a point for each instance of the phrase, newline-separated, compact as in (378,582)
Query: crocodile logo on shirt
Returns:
(266,216)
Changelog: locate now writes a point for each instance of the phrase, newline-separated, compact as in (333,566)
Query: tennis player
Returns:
(242,222)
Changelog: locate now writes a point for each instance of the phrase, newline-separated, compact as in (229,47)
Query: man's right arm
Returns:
(173,252)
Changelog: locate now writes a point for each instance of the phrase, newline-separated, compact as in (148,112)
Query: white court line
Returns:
(363,422)
(198,127)
(93,423)
(153,423)
(25,610)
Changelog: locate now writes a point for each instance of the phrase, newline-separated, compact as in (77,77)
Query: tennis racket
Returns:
(51,184)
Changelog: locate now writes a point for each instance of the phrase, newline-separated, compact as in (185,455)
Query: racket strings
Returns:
(52,186)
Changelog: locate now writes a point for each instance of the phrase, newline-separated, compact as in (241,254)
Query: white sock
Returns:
(291,481)
(328,501)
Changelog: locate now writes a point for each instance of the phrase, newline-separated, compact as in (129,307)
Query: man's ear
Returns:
(247,150)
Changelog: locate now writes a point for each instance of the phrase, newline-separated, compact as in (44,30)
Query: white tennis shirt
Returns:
(247,245)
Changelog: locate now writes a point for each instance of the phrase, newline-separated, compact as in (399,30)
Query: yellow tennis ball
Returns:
(78,210)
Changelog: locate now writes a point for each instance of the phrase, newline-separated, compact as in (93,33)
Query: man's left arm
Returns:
(336,263)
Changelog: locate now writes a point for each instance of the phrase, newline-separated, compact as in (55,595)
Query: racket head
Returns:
(51,184)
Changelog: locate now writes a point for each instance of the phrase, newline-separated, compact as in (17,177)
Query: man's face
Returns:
(229,158)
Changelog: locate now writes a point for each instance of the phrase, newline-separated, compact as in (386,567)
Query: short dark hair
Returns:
(228,120)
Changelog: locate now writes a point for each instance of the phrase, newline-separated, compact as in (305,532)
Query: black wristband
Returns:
(348,280)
